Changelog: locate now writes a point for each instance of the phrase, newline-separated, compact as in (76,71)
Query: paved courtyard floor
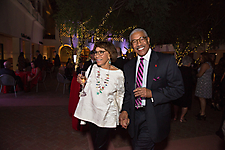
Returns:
(40,121)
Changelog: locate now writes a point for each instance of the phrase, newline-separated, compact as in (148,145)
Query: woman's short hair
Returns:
(108,46)
(186,60)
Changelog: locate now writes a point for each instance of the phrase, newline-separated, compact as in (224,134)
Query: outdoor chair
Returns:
(43,76)
(63,80)
(8,80)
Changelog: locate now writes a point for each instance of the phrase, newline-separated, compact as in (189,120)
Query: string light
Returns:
(83,34)
(187,50)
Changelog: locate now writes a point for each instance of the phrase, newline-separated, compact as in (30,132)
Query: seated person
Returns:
(69,71)
(7,70)
(34,76)
(61,70)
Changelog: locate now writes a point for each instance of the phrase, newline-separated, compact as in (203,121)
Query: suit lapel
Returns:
(132,73)
(152,68)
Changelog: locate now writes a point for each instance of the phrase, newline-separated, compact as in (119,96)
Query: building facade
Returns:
(26,26)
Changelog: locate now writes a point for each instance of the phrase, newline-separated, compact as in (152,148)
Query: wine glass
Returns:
(83,80)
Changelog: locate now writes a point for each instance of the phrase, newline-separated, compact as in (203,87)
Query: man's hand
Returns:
(124,120)
(142,92)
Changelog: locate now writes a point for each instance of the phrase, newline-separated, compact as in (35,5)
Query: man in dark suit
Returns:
(88,63)
(120,61)
(7,70)
(57,62)
(148,120)
(39,60)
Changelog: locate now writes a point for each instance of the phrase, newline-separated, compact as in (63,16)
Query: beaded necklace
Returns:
(99,87)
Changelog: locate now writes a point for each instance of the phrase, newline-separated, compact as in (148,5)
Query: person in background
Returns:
(69,71)
(130,55)
(34,59)
(102,103)
(45,63)
(8,71)
(219,87)
(185,101)
(34,76)
(204,83)
(152,81)
(28,66)
(39,61)
(219,71)
(56,62)
(88,63)
(120,61)
(80,67)
(21,62)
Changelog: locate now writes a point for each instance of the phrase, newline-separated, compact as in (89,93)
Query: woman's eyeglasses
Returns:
(99,52)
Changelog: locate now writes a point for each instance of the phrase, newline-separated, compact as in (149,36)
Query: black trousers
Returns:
(99,136)
(142,139)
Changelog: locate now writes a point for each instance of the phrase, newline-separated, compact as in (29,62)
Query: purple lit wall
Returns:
(122,44)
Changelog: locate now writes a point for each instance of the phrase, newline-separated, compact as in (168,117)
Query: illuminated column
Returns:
(45,52)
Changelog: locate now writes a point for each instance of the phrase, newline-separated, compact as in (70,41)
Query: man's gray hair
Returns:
(7,64)
(138,30)
(186,60)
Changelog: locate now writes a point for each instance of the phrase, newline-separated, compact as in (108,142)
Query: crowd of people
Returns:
(152,83)
(137,92)
(206,82)
(33,70)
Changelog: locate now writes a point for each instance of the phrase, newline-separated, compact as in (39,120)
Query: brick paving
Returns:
(40,121)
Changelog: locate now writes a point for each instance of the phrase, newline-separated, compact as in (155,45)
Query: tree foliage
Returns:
(192,20)
(164,20)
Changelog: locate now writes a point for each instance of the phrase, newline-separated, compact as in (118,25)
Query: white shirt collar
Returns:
(146,56)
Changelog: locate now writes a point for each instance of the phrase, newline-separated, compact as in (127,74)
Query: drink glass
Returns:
(83,79)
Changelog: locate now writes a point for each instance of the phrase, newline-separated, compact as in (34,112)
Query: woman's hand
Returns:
(124,120)
(30,78)
(79,78)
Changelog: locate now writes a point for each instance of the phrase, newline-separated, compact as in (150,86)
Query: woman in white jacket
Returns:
(104,89)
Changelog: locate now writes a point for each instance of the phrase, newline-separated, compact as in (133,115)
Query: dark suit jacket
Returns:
(120,62)
(86,65)
(8,71)
(57,62)
(39,61)
(165,81)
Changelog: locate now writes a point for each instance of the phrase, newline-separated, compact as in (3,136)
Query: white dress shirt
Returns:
(145,73)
